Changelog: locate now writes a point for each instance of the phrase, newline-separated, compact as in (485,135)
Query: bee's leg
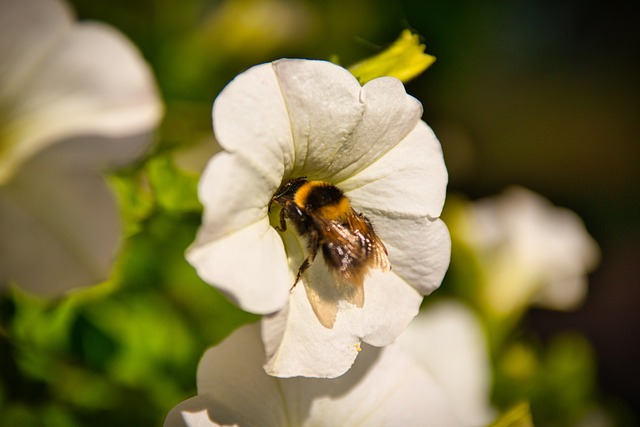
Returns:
(313,251)
(301,270)
(283,223)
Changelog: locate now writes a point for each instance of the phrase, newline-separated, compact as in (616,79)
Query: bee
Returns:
(322,214)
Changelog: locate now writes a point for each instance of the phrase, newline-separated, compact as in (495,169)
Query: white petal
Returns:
(298,344)
(390,304)
(419,249)
(447,340)
(385,387)
(21,48)
(563,294)
(232,387)
(249,265)
(531,246)
(236,249)
(409,180)
(389,116)
(340,128)
(323,102)
(250,119)
(231,375)
(92,82)
(57,214)
(234,195)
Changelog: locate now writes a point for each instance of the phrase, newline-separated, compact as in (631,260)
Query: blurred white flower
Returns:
(385,387)
(530,250)
(300,118)
(447,340)
(75,98)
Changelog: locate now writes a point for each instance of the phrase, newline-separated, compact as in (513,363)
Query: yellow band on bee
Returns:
(336,211)
(300,198)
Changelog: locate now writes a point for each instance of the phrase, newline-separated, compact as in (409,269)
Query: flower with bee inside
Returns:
(322,211)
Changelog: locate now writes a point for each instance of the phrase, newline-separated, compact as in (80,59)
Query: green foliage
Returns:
(125,351)
(175,190)
(558,380)
(136,201)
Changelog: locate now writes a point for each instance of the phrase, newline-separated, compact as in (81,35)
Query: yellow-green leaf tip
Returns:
(404,59)
(518,416)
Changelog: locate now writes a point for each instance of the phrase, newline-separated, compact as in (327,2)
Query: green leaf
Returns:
(134,198)
(404,59)
(175,190)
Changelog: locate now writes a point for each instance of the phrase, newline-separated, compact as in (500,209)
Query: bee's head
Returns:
(287,190)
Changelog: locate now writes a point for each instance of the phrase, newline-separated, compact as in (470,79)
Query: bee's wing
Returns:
(375,251)
(350,249)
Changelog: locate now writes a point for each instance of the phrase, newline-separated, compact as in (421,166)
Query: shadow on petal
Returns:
(325,293)
(191,412)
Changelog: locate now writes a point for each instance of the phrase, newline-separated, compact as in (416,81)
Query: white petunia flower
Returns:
(75,98)
(299,118)
(532,251)
(385,387)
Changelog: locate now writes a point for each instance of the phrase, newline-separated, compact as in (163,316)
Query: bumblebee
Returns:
(322,214)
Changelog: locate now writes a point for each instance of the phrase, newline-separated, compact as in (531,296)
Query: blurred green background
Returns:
(534,93)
